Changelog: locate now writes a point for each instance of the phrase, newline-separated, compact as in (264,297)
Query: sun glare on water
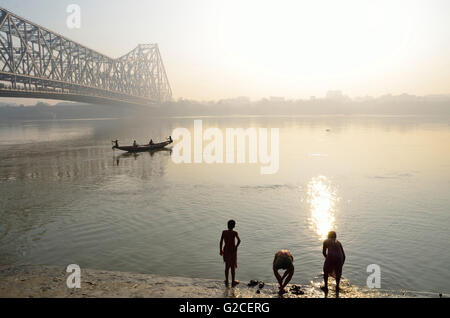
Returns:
(322,199)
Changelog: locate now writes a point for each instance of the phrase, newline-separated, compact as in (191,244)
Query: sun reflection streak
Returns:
(322,200)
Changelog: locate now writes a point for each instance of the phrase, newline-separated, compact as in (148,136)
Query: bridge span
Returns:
(36,62)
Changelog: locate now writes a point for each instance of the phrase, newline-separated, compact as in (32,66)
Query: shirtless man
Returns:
(229,252)
(334,260)
(283,260)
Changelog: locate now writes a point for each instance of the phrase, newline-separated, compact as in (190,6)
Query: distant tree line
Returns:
(334,104)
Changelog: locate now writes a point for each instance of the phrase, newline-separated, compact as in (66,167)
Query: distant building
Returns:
(337,96)
(240,100)
(276,99)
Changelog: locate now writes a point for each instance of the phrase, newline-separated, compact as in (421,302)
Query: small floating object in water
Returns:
(252,283)
(258,291)
(261,285)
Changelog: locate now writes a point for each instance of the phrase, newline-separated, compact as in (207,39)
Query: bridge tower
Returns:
(36,62)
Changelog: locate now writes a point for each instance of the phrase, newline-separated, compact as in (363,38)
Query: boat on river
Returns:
(142,148)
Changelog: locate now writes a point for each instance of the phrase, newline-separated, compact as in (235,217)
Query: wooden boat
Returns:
(142,148)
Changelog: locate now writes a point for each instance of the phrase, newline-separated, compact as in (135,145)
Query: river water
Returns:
(381,182)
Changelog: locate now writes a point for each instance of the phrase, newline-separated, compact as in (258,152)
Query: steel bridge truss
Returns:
(36,62)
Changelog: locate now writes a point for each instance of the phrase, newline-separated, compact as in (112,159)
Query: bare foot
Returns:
(282,291)
(226,283)
(234,283)
(324,288)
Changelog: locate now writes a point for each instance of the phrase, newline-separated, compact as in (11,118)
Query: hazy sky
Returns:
(220,49)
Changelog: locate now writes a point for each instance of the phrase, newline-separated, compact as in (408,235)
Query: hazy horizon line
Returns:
(333,95)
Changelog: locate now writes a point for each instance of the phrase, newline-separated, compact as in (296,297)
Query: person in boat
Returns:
(135,144)
(116,143)
(229,251)
(170,138)
(283,260)
(334,260)
(151,142)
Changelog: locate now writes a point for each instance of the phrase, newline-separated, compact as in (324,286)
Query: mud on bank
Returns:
(50,281)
